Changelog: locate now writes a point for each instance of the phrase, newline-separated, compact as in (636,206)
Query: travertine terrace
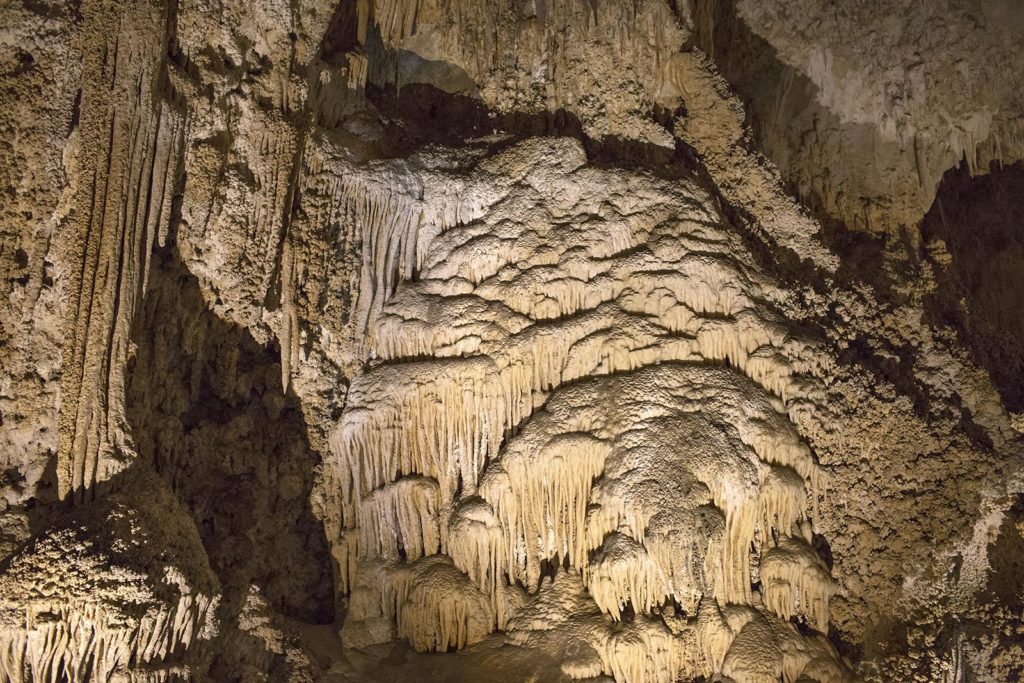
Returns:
(616,341)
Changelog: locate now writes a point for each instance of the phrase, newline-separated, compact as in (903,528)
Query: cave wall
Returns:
(223,218)
(864,110)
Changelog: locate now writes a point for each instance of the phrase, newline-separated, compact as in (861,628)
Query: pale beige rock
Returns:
(596,340)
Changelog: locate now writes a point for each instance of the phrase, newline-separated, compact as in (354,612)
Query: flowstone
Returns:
(615,408)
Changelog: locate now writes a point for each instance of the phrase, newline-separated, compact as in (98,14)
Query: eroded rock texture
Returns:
(637,341)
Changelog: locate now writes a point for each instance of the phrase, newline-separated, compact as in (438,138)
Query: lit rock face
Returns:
(616,403)
(306,313)
(534,56)
(864,111)
(120,588)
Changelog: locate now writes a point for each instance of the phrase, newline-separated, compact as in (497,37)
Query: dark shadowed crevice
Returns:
(208,411)
(1006,558)
(977,226)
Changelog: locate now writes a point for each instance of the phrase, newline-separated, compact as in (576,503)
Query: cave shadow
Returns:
(420,114)
(980,221)
(45,507)
(402,86)
(208,413)
(765,83)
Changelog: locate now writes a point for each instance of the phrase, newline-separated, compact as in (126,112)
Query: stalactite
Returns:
(621,573)
(477,546)
(131,140)
(358,67)
(638,382)
(395,225)
(551,485)
(437,607)
(345,553)
(440,419)
(288,336)
(473,36)
(783,502)
(389,223)
(396,19)
(583,664)
(400,518)
(796,581)
(685,546)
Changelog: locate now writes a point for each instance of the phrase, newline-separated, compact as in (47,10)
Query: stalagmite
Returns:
(93,598)
(642,651)
(583,664)
(371,606)
(808,658)
(755,654)
(714,636)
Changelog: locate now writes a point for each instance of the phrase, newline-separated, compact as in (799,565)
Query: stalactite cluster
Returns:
(638,341)
(617,406)
(96,594)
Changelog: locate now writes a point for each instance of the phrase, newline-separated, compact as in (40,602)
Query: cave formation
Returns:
(625,341)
